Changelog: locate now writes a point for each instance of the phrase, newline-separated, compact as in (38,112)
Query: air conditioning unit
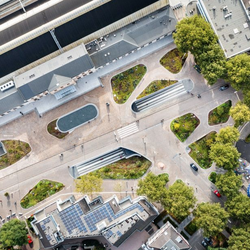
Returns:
(7,86)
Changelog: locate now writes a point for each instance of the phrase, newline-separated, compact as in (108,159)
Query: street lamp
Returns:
(236,93)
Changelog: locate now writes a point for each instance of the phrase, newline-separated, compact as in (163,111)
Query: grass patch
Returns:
(131,168)
(184,235)
(247,140)
(168,219)
(184,126)
(41,191)
(191,228)
(173,61)
(155,86)
(201,148)
(52,129)
(219,114)
(124,83)
(15,151)
(212,177)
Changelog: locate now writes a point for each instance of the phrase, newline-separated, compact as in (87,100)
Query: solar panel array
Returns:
(97,216)
(71,219)
(128,209)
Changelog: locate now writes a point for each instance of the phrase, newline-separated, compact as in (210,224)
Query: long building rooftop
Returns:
(113,219)
(230,21)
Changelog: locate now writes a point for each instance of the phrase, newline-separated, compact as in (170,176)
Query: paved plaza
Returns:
(152,137)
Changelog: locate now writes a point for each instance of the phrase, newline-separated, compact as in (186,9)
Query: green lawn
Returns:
(212,177)
(41,191)
(15,151)
(184,126)
(219,114)
(131,168)
(124,83)
(173,61)
(52,129)
(191,228)
(200,150)
(155,86)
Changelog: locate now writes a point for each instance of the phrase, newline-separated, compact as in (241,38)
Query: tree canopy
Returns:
(228,135)
(211,217)
(240,239)
(240,113)
(13,233)
(179,199)
(194,34)
(153,186)
(238,71)
(224,155)
(229,184)
(239,207)
(89,184)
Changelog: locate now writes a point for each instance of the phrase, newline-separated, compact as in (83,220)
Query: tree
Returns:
(240,113)
(239,207)
(238,71)
(229,184)
(228,135)
(88,184)
(240,239)
(212,218)
(13,233)
(224,155)
(213,63)
(179,199)
(153,186)
(246,97)
(194,34)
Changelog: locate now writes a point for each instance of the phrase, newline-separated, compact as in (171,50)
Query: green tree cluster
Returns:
(153,186)
(89,184)
(240,238)
(13,233)
(240,113)
(223,152)
(212,218)
(195,34)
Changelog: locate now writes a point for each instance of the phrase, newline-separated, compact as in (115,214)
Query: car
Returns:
(192,165)
(29,239)
(217,193)
(197,68)
(224,87)
(204,243)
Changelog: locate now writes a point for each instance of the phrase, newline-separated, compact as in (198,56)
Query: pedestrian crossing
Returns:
(128,130)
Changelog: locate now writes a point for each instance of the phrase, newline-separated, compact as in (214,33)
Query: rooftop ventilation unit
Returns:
(179,239)
(224,8)
(7,86)
(228,15)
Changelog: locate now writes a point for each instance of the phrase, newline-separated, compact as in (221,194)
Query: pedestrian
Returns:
(21,112)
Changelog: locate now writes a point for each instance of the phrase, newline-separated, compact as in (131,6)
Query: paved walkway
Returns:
(153,139)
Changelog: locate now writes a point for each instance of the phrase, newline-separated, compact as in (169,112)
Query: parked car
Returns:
(197,68)
(224,87)
(217,193)
(206,242)
(192,165)
(29,239)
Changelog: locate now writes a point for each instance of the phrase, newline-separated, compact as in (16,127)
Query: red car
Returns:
(216,192)
(29,239)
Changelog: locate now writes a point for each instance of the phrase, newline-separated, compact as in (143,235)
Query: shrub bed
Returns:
(41,191)
(124,83)
(53,130)
(155,86)
(15,151)
(184,126)
(173,61)
(201,148)
(219,114)
(191,228)
(131,168)
(212,177)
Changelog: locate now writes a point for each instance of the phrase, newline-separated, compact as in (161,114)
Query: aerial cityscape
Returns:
(124,124)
